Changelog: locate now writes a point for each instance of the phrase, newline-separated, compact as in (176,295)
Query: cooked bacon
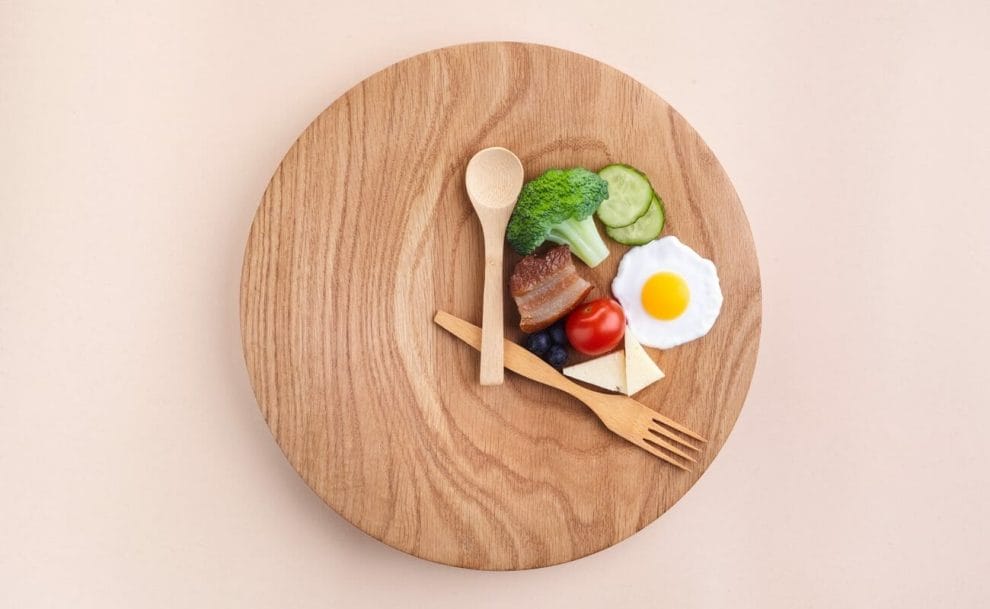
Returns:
(546,288)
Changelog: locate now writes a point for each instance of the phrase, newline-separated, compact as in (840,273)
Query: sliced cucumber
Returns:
(644,230)
(629,195)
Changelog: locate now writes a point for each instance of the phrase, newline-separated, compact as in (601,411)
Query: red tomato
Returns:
(596,327)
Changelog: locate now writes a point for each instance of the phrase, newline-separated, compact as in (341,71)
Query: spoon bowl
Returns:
(493,179)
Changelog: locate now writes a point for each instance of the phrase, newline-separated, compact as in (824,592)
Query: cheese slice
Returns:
(607,371)
(641,372)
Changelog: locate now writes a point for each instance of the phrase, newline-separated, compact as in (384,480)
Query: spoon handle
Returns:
(492,324)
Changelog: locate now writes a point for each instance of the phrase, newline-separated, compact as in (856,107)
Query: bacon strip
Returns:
(546,288)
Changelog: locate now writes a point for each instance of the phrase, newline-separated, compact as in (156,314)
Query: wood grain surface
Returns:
(365,231)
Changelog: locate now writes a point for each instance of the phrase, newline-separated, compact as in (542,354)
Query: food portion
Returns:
(641,370)
(643,230)
(596,327)
(557,356)
(627,371)
(607,372)
(550,344)
(669,293)
(558,206)
(538,343)
(558,334)
(629,195)
(546,288)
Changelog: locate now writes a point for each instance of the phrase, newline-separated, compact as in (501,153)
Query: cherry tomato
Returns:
(596,327)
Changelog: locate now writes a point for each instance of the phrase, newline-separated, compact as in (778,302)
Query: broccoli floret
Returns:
(558,206)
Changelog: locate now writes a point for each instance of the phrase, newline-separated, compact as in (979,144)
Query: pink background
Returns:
(136,142)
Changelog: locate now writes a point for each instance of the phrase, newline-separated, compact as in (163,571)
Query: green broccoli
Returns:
(558,206)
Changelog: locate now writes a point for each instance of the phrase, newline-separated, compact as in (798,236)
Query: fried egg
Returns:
(669,293)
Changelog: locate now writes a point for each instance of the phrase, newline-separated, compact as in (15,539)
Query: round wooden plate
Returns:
(365,231)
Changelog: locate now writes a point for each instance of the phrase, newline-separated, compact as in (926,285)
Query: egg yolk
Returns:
(665,296)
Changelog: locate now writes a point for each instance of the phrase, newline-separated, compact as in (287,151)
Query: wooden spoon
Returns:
(493,178)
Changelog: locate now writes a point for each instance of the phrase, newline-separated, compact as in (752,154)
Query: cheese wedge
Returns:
(607,371)
(641,372)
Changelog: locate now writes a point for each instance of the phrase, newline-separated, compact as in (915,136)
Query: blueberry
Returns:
(557,334)
(538,343)
(557,356)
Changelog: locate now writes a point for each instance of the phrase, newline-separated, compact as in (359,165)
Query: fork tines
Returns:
(667,444)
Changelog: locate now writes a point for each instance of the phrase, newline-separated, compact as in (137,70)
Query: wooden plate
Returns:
(365,231)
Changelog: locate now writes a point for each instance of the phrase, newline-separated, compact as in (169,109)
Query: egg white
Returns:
(668,254)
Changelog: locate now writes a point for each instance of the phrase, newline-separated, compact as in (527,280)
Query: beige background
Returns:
(135,142)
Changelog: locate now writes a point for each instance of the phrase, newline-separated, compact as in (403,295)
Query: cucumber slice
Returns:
(629,195)
(644,230)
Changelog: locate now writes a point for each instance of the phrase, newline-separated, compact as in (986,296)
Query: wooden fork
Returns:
(644,427)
